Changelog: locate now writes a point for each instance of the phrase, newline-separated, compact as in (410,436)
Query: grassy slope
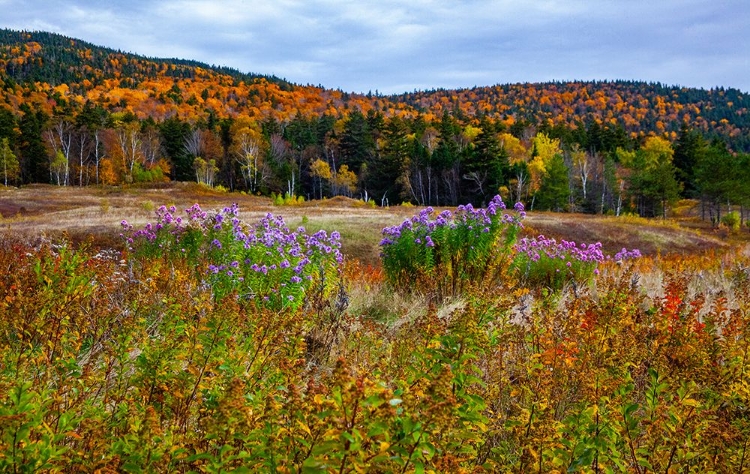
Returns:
(82,212)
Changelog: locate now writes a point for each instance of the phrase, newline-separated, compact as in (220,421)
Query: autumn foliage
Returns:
(129,361)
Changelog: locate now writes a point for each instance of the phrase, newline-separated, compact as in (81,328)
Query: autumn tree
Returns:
(652,181)
(205,171)
(9,162)
(60,141)
(321,172)
(344,181)
(248,155)
(544,149)
(518,170)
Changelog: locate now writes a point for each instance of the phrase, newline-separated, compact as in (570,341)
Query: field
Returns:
(85,213)
(175,356)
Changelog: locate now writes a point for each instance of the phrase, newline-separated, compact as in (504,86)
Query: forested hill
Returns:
(48,70)
(55,59)
(641,108)
(73,113)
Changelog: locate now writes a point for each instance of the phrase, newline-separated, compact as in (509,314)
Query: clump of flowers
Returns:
(266,263)
(543,261)
(446,252)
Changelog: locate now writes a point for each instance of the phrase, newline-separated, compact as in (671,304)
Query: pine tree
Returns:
(554,190)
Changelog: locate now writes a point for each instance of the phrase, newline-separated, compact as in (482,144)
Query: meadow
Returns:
(139,332)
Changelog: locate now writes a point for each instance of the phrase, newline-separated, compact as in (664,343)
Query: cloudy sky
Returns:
(398,46)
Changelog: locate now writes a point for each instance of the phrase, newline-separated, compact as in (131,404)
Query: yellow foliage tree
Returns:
(544,149)
(320,171)
(517,153)
(344,181)
(10,165)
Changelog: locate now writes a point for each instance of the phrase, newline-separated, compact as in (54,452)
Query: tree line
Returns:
(591,167)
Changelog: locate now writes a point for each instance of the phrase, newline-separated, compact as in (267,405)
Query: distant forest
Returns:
(75,114)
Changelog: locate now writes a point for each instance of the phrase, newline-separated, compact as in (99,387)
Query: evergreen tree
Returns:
(8,126)
(357,145)
(387,173)
(487,165)
(228,165)
(689,150)
(33,153)
(717,176)
(174,132)
(554,190)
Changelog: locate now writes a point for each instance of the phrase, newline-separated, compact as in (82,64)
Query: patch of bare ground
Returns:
(94,214)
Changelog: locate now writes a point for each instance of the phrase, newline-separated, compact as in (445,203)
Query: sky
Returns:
(393,46)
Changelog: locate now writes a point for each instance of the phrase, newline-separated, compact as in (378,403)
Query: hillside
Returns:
(46,68)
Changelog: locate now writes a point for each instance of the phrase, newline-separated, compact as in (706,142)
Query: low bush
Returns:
(731,220)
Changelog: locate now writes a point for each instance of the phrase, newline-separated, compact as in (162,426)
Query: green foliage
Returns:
(554,190)
(148,206)
(286,199)
(150,175)
(9,166)
(731,220)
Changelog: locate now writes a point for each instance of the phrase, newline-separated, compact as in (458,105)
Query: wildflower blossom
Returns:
(256,261)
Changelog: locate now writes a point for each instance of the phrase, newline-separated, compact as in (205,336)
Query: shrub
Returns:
(446,253)
(286,199)
(266,263)
(731,220)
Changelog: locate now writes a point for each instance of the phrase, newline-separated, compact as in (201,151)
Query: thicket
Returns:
(130,362)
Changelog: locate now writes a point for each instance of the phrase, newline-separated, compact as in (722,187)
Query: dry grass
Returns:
(95,214)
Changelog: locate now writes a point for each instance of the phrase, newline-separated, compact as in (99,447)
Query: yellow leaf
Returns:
(304,427)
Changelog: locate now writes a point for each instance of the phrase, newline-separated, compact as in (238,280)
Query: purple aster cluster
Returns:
(545,261)
(565,250)
(421,226)
(453,246)
(626,254)
(266,262)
